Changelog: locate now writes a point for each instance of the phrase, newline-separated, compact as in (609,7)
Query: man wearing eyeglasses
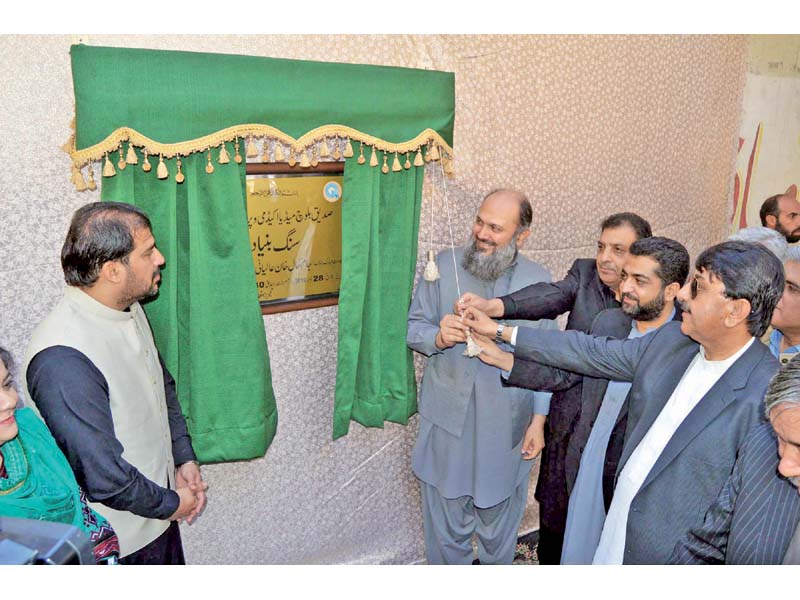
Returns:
(696,390)
(784,342)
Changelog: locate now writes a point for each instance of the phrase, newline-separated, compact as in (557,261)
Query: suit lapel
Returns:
(662,390)
(723,392)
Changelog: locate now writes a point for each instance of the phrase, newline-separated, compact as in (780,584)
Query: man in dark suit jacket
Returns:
(588,288)
(696,392)
(753,519)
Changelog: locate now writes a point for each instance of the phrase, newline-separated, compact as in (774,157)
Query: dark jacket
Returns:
(754,517)
(583,295)
(700,455)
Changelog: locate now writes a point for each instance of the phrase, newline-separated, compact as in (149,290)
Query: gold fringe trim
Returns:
(304,147)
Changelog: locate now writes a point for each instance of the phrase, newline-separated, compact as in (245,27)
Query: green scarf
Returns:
(40,483)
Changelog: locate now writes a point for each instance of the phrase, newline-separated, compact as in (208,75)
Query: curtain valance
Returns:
(136,105)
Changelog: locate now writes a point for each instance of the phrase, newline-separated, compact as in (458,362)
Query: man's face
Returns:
(705,307)
(8,405)
(787,312)
(612,252)
(641,290)
(496,222)
(143,271)
(788,221)
(785,419)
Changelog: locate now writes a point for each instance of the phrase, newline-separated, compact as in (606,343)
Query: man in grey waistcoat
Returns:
(476,439)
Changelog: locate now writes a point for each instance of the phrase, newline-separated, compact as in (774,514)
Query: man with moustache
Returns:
(781,212)
(476,439)
(696,392)
(589,287)
(755,519)
(95,376)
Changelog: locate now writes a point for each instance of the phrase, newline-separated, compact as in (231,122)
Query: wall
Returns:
(769,159)
(587,125)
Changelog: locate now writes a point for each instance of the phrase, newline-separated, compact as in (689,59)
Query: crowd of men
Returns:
(669,432)
(673,432)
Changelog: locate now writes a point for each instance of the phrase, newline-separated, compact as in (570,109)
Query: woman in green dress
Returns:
(36,481)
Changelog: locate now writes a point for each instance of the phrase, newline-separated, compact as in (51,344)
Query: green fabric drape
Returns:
(206,319)
(375,370)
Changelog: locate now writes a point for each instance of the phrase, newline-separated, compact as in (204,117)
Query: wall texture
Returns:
(586,125)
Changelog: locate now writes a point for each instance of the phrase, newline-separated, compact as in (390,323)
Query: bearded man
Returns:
(476,438)
(94,374)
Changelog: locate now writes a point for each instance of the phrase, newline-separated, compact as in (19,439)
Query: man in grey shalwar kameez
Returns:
(474,434)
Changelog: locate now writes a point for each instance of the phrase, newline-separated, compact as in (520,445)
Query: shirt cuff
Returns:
(514,331)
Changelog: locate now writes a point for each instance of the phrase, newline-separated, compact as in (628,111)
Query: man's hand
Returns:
(187,505)
(479,322)
(492,354)
(188,476)
(451,332)
(493,307)
(533,443)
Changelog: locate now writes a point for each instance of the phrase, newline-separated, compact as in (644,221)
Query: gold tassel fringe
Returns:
(385,167)
(146,166)
(237,157)
(252,151)
(348,149)
(279,155)
(161,170)
(92,184)
(418,161)
(373,160)
(77,179)
(396,164)
(179,178)
(121,163)
(223,158)
(131,157)
(361,159)
(209,166)
(108,168)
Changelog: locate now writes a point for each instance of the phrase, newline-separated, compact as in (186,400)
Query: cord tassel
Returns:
(237,157)
(348,149)
(77,179)
(131,157)
(161,171)
(146,166)
(431,270)
(108,168)
(223,158)
(179,177)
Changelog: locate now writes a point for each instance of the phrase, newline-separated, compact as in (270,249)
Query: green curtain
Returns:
(206,319)
(375,369)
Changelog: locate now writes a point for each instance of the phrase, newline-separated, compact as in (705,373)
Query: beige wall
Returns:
(587,125)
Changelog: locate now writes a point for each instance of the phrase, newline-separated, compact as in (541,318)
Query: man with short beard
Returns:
(94,374)
(781,212)
(476,439)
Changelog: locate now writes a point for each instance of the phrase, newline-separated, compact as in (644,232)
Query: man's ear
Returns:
(772,221)
(738,311)
(671,291)
(111,271)
(521,237)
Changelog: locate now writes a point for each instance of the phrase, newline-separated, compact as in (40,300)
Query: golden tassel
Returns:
(396,164)
(324,151)
(385,167)
(77,179)
(279,155)
(407,164)
(252,151)
(431,272)
(223,158)
(447,165)
(435,152)
(161,171)
(265,152)
(92,185)
(121,163)
(428,153)
(418,161)
(146,166)
(179,175)
(314,157)
(348,149)
(337,152)
(108,168)
(373,160)
(361,159)
(237,157)
(209,166)
(304,162)
(292,160)
(131,157)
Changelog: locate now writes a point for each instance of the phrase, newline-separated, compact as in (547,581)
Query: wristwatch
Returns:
(498,336)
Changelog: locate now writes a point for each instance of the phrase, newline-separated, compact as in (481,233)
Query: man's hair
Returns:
(769,207)
(99,232)
(792,254)
(525,209)
(671,256)
(634,221)
(769,238)
(784,387)
(748,271)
